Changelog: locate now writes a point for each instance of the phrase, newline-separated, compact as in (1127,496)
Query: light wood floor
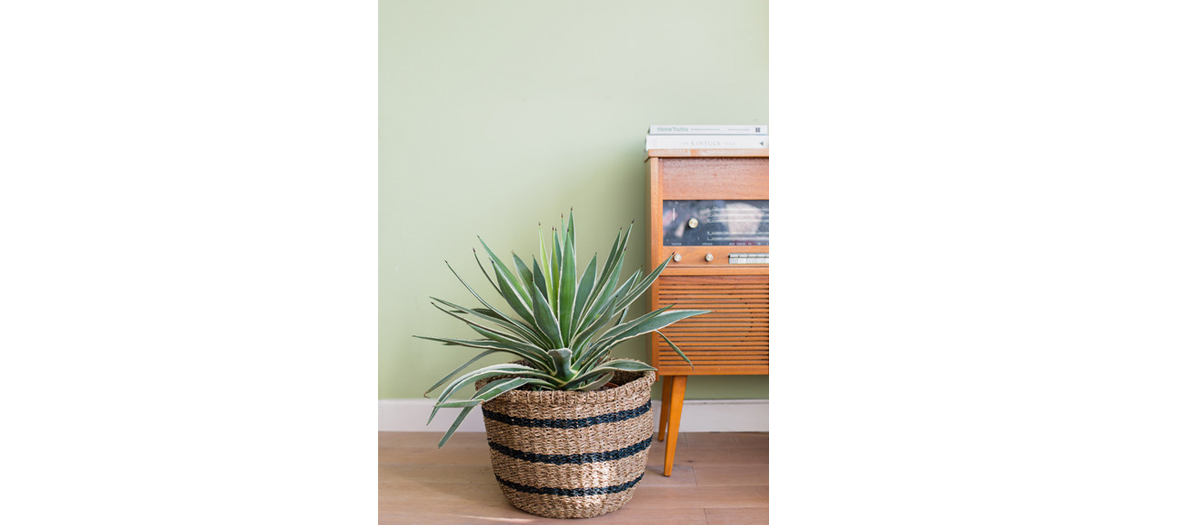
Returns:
(718,479)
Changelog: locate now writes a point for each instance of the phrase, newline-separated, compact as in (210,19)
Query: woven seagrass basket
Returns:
(571,454)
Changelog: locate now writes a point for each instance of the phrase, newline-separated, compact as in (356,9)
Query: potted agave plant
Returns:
(568,426)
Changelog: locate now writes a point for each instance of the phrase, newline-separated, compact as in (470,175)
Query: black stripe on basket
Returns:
(615,417)
(573,493)
(572,459)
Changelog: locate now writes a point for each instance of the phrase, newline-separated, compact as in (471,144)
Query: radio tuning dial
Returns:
(692,223)
(676,257)
(709,257)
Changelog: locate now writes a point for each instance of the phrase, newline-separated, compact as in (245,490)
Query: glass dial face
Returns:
(717,223)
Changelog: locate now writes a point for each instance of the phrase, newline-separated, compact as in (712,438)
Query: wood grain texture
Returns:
(714,178)
(721,478)
(662,431)
(733,339)
(706,475)
(675,407)
(738,516)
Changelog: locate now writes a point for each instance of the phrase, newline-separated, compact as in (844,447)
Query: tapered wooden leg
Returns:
(665,400)
(676,402)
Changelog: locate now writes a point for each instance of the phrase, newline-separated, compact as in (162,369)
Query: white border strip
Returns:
(699,415)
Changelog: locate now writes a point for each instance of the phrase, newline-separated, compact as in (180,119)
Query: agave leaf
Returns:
(615,260)
(563,358)
(607,268)
(499,334)
(486,311)
(490,391)
(607,305)
(485,345)
(597,292)
(585,286)
(641,326)
(595,384)
(570,232)
(622,315)
(522,270)
(497,263)
(600,301)
(539,278)
(546,267)
(622,292)
(651,321)
(676,348)
(485,303)
(624,365)
(600,346)
(569,289)
(457,370)
(511,293)
(454,426)
(586,336)
(546,321)
(494,316)
(510,287)
(643,285)
(555,269)
(502,369)
(485,272)
(533,354)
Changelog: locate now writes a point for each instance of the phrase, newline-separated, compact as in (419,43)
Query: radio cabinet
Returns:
(710,211)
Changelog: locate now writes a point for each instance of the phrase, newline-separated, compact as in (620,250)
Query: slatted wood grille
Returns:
(733,339)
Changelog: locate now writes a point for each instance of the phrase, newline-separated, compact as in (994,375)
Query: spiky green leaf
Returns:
(454,426)
(676,348)
(585,286)
(486,304)
(594,382)
(496,317)
(546,320)
(569,279)
(624,365)
(539,278)
(457,370)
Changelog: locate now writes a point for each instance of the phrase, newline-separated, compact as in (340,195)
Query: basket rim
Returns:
(628,390)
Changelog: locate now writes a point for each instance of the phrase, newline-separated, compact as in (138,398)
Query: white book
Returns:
(707,141)
(707,129)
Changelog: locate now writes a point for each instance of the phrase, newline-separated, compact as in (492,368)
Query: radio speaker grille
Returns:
(733,339)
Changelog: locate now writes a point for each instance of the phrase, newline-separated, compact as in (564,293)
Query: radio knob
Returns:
(692,223)
(676,257)
(709,257)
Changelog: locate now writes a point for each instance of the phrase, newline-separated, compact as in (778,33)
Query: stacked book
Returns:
(738,136)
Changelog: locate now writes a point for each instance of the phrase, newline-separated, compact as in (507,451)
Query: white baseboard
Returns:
(699,415)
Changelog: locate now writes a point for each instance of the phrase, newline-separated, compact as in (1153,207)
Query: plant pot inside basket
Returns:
(566,454)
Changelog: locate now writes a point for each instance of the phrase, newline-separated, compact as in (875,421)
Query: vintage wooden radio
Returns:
(710,211)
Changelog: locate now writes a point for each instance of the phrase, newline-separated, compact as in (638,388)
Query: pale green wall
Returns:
(496,115)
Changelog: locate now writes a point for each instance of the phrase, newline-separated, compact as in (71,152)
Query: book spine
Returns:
(707,141)
(701,129)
